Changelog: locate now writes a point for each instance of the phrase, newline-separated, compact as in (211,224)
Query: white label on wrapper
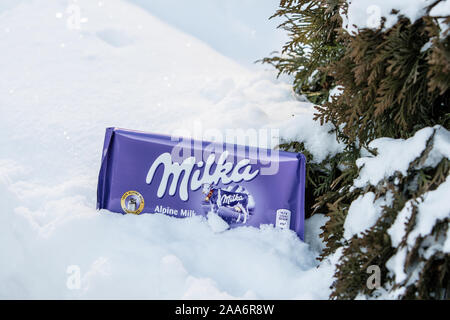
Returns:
(283,220)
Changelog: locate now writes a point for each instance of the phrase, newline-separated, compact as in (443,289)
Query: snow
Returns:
(239,29)
(374,169)
(441,147)
(431,209)
(397,230)
(395,156)
(446,247)
(368,13)
(396,264)
(216,223)
(335,92)
(364,213)
(317,140)
(313,230)
(440,9)
(71,69)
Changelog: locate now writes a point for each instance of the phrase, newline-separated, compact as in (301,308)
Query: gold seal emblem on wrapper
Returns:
(132,202)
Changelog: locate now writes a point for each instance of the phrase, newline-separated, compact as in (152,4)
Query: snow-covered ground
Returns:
(72,68)
(239,29)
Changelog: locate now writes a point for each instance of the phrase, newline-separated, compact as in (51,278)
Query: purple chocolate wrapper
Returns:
(151,173)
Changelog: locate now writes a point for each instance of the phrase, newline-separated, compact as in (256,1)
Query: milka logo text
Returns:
(231,198)
(191,175)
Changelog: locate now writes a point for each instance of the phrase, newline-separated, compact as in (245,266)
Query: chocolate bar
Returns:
(181,177)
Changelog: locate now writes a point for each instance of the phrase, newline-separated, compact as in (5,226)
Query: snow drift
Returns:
(68,72)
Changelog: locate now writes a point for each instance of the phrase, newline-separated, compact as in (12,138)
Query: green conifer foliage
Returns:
(394,82)
(393,87)
(312,28)
(428,270)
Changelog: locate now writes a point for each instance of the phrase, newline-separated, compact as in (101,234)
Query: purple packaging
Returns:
(181,177)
